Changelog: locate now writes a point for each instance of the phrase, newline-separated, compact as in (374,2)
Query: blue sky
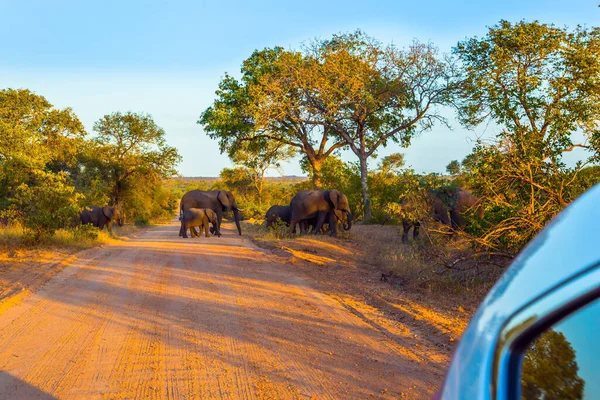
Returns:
(166,58)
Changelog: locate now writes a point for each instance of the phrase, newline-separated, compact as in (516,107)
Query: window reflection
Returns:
(562,362)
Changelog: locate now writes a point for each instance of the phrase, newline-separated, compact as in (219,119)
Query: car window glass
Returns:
(562,363)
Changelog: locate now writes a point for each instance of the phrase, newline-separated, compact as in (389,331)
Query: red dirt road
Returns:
(163,317)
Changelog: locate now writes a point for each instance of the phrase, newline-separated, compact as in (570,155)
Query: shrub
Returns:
(86,232)
(47,203)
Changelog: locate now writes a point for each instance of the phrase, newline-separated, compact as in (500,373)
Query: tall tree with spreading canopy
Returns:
(269,104)
(540,85)
(370,95)
(130,148)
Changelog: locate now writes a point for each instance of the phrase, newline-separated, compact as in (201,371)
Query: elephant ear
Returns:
(334,197)
(108,212)
(224,199)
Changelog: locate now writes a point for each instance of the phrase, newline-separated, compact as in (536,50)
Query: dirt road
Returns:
(164,317)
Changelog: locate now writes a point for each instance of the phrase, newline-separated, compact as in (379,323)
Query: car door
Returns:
(551,348)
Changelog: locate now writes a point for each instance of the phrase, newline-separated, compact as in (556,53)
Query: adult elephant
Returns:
(319,204)
(217,200)
(278,213)
(414,212)
(311,223)
(446,208)
(101,217)
(465,201)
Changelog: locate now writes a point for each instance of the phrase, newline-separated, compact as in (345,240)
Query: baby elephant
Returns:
(198,217)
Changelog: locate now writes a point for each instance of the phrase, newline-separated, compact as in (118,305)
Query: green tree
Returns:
(260,155)
(550,369)
(453,167)
(34,136)
(541,85)
(131,148)
(371,95)
(268,104)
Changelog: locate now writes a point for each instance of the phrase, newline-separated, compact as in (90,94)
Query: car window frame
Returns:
(532,320)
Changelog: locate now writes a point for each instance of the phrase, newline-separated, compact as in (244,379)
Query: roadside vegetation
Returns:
(536,86)
(51,169)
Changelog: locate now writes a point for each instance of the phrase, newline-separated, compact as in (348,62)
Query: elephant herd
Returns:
(316,211)
(312,210)
(199,208)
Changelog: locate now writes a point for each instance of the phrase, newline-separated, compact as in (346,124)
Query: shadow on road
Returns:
(20,389)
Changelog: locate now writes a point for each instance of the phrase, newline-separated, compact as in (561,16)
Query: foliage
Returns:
(550,370)
(541,85)
(371,94)
(260,155)
(47,167)
(268,106)
(131,147)
(34,136)
(47,203)
(453,167)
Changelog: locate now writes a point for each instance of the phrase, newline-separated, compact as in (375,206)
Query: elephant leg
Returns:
(405,229)
(205,226)
(416,227)
(109,227)
(293,222)
(320,221)
(332,225)
(101,225)
(185,228)
(304,226)
(217,229)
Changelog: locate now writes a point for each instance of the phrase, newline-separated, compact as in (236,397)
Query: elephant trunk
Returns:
(349,218)
(236,217)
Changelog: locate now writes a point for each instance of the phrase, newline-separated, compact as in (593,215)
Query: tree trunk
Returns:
(316,173)
(365,189)
(259,186)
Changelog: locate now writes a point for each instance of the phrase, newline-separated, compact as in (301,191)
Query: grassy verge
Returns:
(412,267)
(72,239)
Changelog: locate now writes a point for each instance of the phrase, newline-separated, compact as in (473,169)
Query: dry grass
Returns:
(258,230)
(419,267)
(14,236)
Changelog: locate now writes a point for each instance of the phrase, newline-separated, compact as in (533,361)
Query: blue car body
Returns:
(555,274)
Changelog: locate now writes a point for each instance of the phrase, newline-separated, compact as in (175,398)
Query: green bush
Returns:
(46,204)
(86,232)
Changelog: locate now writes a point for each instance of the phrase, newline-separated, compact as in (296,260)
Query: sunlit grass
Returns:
(78,238)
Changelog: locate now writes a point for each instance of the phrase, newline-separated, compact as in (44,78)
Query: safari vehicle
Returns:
(537,333)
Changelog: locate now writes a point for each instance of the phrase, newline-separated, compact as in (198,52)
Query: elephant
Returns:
(101,217)
(437,210)
(198,217)
(319,204)
(465,201)
(452,214)
(216,200)
(311,223)
(283,214)
(278,213)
